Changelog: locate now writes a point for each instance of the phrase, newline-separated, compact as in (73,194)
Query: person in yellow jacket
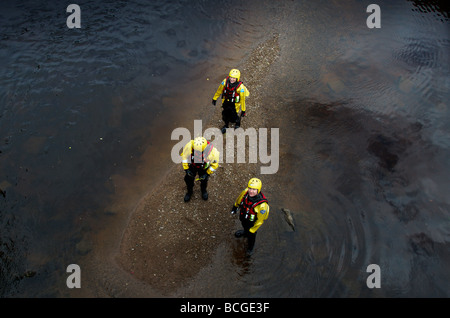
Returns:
(199,157)
(253,211)
(233,94)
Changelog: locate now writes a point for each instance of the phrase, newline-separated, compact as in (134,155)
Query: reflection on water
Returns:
(363,117)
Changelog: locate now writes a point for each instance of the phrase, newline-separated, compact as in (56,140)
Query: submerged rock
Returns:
(83,247)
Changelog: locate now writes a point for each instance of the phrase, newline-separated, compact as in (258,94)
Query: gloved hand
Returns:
(214,102)
(189,173)
(243,114)
(234,210)
(204,177)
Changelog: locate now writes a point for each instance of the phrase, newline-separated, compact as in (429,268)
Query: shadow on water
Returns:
(369,176)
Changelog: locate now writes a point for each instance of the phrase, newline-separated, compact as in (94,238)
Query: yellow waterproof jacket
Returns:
(212,159)
(243,93)
(261,210)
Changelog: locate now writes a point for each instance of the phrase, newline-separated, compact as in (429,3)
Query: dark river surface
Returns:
(86,116)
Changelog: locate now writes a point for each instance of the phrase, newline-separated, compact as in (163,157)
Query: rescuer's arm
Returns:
(213,160)
(186,155)
(219,90)
(262,213)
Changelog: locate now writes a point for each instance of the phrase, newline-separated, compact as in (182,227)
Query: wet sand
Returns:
(167,241)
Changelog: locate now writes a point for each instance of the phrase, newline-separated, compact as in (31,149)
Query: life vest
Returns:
(231,93)
(247,208)
(203,161)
